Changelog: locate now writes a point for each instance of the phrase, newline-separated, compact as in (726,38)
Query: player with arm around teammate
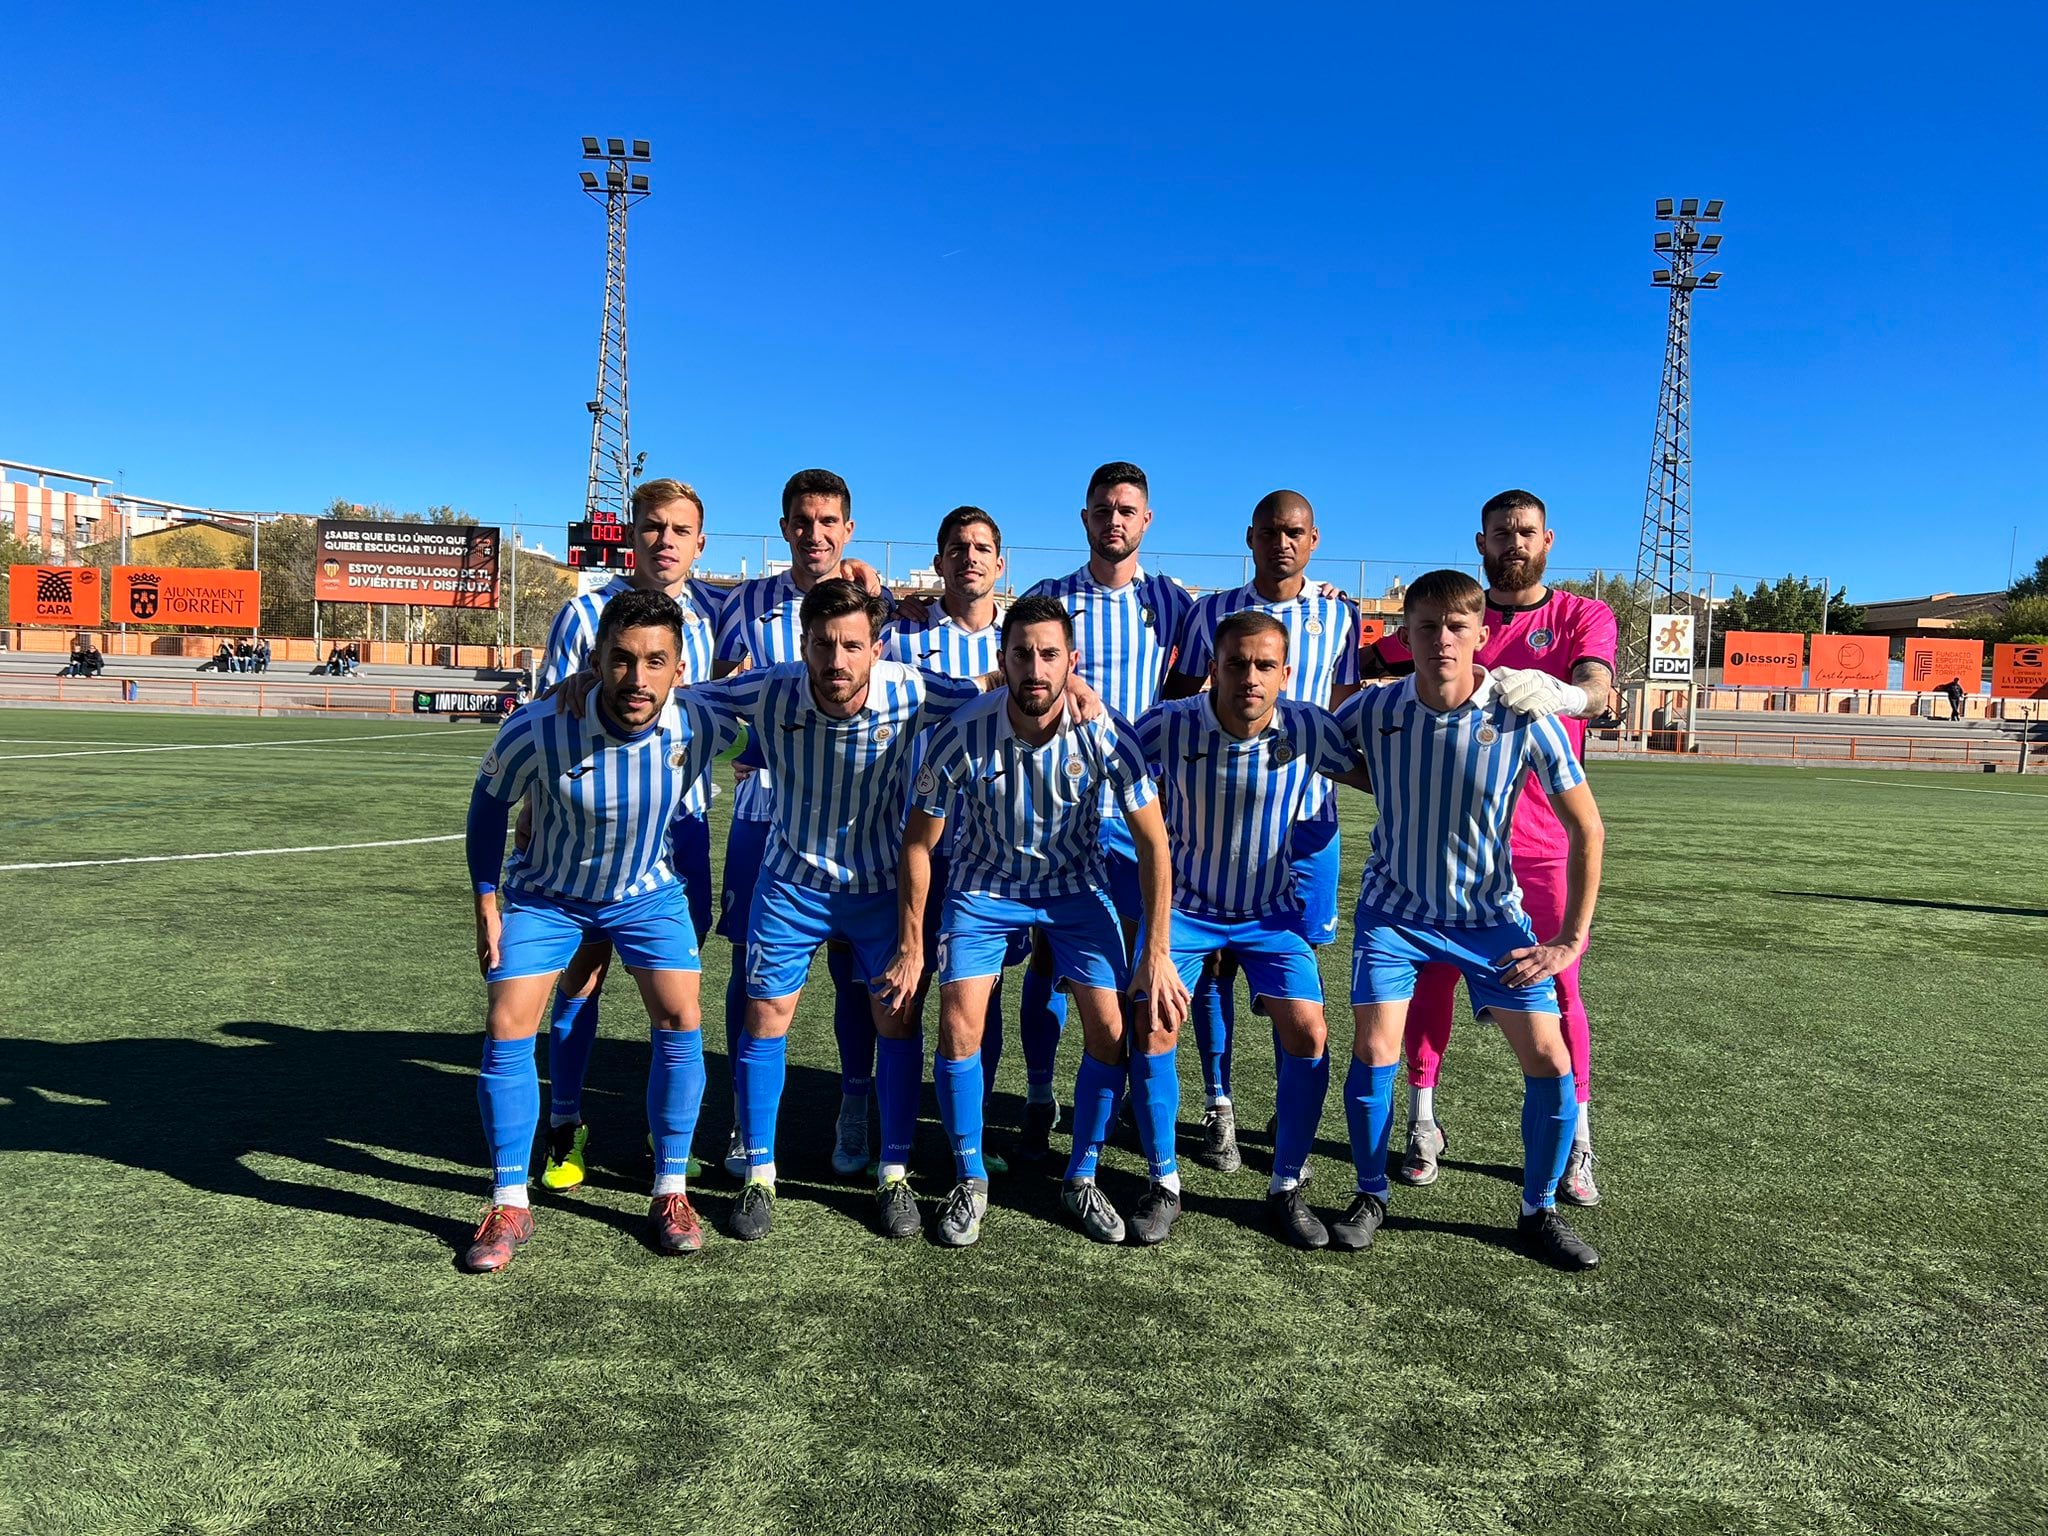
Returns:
(1235,766)
(1024,779)
(668,536)
(1447,755)
(604,788)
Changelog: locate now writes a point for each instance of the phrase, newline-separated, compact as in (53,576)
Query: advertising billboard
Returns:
(2019,671)
(53,594)
(186,597)
(1849,661)
(1756,659)
(1930,664)
(433,565)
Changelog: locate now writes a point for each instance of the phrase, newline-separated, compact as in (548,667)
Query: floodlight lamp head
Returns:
(616,180)
(1712,210)
(590,146)
(615,146)
(1663,207)
(639,183)
(1688,207)
(641,151)
(1662,242)
(1661,277)
(590,181)
(1711,280)
(1711,243)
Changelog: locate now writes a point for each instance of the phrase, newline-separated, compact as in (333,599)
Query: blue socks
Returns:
(508,1095)
(1550,1112)
(992,1041)
(1096,1087)
(853,1023)
(960,1089)
(675,1093)
(899,1077)
(1369,1112)
(1041,1016)
(1155,1087)
(1298,1112)
(735,1006)
(1213,1007)
(572,1031)
(758,1073)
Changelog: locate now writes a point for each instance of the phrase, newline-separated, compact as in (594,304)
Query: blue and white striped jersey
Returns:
(1322,648)
(1124,637)
(1446,785)
(838,805)
(945,646)
(1030,817)
(574,632)
(761,627)
(1231,803)
(602,799)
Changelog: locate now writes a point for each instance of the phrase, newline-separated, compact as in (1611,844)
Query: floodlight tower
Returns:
(1664,553)
(621,185)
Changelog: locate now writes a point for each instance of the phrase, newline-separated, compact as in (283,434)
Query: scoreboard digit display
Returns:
(603,543)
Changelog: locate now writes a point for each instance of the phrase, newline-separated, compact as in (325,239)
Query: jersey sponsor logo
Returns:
(578,771)
(1539,639)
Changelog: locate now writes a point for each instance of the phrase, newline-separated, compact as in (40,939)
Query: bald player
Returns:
(1550,652)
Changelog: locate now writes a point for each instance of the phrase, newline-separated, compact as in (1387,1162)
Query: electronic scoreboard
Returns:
(602,544)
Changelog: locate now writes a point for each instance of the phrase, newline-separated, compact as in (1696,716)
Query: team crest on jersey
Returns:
(1148,616)
(1074,770)
(1488,735)
(1283,754)
(883,735)
(927,782)
(1539,639)
(676,758)
(1314,626)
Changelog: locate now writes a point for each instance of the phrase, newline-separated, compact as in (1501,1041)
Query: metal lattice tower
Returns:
(611,465)
(1664,553)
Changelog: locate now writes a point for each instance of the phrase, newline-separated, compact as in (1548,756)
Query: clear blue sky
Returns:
(964,254)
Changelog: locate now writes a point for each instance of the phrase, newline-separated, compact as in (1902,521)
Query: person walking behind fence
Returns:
(1954,689)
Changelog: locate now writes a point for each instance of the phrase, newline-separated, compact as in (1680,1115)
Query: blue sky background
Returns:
(1395,261)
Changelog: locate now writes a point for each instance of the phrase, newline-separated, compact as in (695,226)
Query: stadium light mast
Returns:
(1664,551)
(621,183)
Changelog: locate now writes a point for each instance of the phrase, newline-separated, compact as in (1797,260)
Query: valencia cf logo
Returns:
(142,595)
(1488,735)
(1539,639)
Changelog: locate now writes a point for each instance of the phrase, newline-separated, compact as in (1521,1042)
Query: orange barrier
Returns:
(2004,752)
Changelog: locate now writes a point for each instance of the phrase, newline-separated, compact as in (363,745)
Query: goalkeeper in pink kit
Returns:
(1550,652)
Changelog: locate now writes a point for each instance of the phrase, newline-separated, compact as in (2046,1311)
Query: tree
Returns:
(2024,621)
(2035,585)
(1790,606)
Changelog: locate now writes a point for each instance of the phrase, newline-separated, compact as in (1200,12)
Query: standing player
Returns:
(1125,623)
(961,637)
(668,536)
(836,730)
(604,790)
(1552,652)
(1322,648)
(761,628)
(1447,754)
(1024,780)
(1236,767)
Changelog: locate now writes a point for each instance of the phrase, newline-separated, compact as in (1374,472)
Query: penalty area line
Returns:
(1954,789)
(233,853)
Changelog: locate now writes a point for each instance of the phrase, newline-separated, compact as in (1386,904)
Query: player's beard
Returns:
(1515,573)
(1104,550)
(1037,705)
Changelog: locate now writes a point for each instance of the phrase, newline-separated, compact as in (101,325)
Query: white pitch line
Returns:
(1954,789)
(221,746)
(235,853)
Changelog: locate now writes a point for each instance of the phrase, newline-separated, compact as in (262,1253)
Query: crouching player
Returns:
(1236,766)
(1447,756)
(1025,779)
(605,787)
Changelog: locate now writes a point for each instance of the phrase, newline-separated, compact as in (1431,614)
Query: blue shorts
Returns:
(689,850)
(1120,856)
(542,933)
(1315,851)
(1015,953)
(977,930)
(1272,951)
(1389,953)
(746,845)
(790,921)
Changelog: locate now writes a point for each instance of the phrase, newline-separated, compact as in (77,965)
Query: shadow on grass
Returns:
(1915,901)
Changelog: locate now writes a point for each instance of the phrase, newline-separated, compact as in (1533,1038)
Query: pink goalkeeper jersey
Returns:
(1552,636)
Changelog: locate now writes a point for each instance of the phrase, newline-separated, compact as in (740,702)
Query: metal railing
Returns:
(253,698)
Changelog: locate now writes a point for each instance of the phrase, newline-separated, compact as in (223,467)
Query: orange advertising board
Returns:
(185,597)
(1370,630)
(1932,664)
(1759,660)
(53,594)
(2019,671)
(1849,661)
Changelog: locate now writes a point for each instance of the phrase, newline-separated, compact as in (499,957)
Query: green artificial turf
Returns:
(240,1151)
